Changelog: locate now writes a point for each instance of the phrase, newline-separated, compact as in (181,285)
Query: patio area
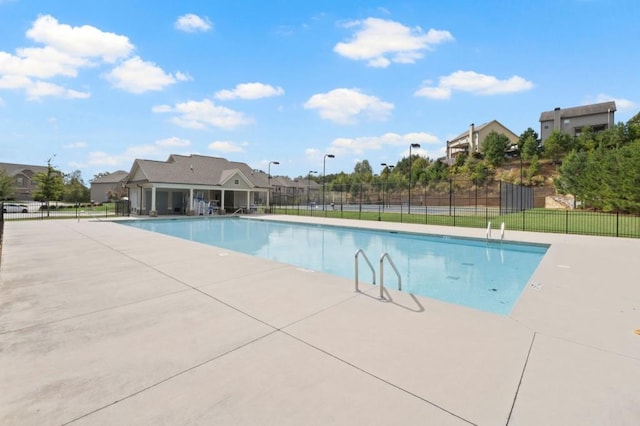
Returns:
(106,324)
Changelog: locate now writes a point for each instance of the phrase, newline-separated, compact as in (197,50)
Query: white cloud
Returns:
(66,50)
(38,89)
(159,150)
(173,142)
(473,82)
(250,91)
(203,114)
(137,76)
(344,106)
(84,42)
(621,103)
(361,145)
(193,23)
(75,145)
(225,146)
(381,42)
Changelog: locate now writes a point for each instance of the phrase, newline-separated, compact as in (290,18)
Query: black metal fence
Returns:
(35,210)
(456,203)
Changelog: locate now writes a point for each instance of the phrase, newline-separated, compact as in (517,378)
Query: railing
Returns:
(561,221)
(373,272)
(33,210)
(386,256)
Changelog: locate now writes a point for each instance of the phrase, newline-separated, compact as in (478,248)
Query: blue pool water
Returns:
(485,275)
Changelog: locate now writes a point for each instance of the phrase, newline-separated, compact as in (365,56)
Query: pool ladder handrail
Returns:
(386,255)
(373,272)
(489,231)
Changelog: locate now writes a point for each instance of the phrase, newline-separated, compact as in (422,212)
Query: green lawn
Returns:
(536,220)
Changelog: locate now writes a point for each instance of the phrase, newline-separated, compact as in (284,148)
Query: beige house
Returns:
(108,187)
(471,140)
(22,176)
(195,185)
(572,120)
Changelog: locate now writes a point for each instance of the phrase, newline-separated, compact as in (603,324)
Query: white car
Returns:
(14,208)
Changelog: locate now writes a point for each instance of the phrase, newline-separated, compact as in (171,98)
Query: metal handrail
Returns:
(358,252)
(382,273)
(489,230)
(502,231)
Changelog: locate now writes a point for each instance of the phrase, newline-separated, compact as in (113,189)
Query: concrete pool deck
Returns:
(106,324)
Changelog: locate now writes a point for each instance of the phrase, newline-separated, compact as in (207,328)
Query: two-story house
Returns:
(572,120)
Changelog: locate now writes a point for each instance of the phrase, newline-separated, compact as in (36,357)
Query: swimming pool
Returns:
(481,274)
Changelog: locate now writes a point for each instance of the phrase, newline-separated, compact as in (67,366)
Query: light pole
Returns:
(413,145)
(309,186)
(269,180)
(324,167)
(389,168)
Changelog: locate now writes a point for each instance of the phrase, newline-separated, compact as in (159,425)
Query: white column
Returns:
(154,211)
(191,199)
(248,200)
(221,200)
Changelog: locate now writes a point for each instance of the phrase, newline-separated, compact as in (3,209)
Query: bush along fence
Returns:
(454,203)
(35,210)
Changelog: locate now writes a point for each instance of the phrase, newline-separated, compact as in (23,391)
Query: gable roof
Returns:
(193,170)
(603,107)
(15,169)
(115,177)
(477,129)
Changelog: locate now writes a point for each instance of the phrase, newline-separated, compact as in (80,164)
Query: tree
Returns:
(7,185)
(75,190)
(363,171)
(529,148)
(525,136)
(493,147)
(99,175)
(49,185)
(534,168)
(557,145)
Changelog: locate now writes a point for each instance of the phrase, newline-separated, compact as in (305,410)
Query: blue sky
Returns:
(100,83)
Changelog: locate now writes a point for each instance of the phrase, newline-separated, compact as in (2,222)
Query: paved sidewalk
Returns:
(106,324)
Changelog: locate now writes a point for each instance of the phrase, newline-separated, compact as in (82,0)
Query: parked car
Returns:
(14,208)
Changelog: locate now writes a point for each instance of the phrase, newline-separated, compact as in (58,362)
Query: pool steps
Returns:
(373,272)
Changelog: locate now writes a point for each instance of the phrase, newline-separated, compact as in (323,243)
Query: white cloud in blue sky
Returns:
(381,42)
(473,82)
(347,106)
(193,23)
(361,81)
(250,91)
(203,114)
(137,76)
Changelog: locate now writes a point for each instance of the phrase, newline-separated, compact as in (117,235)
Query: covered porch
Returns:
(155,199)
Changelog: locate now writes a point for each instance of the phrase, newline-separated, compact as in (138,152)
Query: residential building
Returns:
(471,140)
(572,120)
(22,176)
(109,187)
(195,185)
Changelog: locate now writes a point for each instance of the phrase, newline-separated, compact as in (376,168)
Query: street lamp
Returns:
(309,185)
(324,166)
(269,180)
(413,145)
(389,168)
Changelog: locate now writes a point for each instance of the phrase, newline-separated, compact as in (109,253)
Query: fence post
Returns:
(566,221)
(617,224)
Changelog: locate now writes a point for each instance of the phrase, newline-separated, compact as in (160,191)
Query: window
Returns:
(236,181)
(19,181)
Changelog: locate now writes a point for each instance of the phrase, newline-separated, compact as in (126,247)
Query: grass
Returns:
(534,220)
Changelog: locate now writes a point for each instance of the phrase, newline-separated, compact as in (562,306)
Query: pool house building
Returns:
(195,185)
